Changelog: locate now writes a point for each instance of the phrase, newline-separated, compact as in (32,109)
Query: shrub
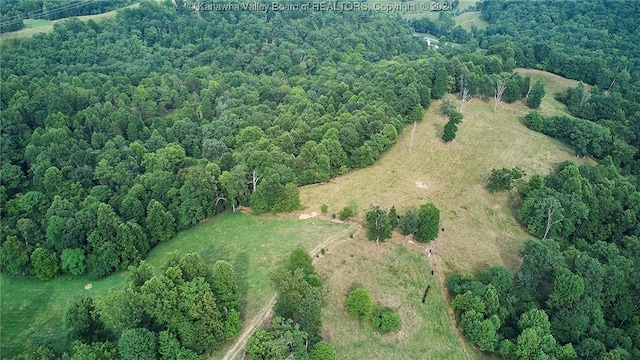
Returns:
(346,213)
(502,179)
(322,351)
(359,304)
(534,121)
(386,320)
(324,208)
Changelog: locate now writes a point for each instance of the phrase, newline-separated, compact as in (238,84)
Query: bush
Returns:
(386,320)
(359,304)
(349,211)
(534,121)
(502,179)
(324,208)
(322,351)
(345,213)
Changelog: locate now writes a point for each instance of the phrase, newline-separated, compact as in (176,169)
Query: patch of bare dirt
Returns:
(243,209)
(307,216)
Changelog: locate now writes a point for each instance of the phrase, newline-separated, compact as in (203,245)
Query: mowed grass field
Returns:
(396,275)
(33,310)
(480,229)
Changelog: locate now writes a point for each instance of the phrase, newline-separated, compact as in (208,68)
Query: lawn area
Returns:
(396,275)
(33,309)
(481,229)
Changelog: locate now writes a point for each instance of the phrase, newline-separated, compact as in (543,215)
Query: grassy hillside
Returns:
(480,228)
(396,276)
(33,309)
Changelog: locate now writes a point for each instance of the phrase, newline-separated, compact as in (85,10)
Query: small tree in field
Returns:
(359,304)
(534,99)
(408,222)
(502,179)
(378,224)
(429,220)
(393,217)
(450,130)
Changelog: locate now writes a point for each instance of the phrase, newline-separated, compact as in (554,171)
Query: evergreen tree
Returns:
(429,220)
(534,99)
(450,129)
(45,264)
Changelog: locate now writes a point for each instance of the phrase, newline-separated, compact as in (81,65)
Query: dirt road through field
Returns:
(265,312)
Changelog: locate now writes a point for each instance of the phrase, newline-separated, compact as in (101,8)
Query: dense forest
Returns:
(116,134)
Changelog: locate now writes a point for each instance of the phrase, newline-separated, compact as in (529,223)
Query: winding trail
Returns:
(266,310)
(257,321)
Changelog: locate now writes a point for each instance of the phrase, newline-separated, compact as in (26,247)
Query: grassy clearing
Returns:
(480,228)
(466,20)
(33,309)
(552,84)
(396,275)
(36,26)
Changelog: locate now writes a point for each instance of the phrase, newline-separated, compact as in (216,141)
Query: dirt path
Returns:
(434,259)
(333,240)
(265,312)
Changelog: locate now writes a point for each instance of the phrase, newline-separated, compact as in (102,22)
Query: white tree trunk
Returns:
(497,94)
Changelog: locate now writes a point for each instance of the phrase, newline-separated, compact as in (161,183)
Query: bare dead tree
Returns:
(497,94)
(585,97)
(550,221)
(465,99)
(254,180)
(413,131)
(220,197)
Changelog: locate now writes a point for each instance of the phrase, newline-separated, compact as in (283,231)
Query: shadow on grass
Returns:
(241,267)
